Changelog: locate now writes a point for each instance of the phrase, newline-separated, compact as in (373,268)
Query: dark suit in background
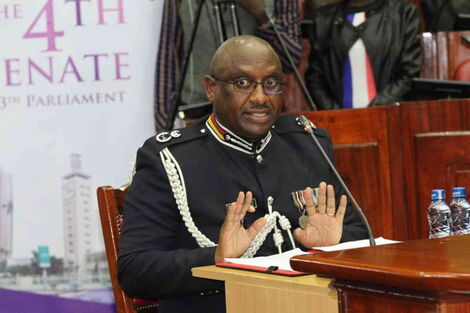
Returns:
(391,39)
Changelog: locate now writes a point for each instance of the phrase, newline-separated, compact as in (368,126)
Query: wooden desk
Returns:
(413,276)
(251,292)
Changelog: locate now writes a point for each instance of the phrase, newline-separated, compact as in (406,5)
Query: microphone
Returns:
(307,126)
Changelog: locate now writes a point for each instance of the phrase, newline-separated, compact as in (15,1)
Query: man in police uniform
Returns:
(202,193)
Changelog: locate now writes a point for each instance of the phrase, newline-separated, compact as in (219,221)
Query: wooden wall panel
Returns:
(458,176)
(439,158)
(361,301)
(418,119)
(365,172)
(388,156)
(364,142)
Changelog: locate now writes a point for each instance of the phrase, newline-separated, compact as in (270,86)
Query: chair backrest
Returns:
(443,52)
(110,201)
(462,72)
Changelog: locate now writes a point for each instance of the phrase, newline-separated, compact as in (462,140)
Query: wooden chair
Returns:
(110,202)
(443,52)
(463,71)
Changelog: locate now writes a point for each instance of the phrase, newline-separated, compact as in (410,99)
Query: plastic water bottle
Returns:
(460,210)
(439,215)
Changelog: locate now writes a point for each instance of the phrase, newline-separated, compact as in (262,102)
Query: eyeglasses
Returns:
(271,86)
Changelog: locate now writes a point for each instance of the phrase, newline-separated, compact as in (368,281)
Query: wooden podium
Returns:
(420,276)
(251,292)
(414,276)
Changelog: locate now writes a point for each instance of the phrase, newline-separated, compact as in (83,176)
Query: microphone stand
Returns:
(305,123)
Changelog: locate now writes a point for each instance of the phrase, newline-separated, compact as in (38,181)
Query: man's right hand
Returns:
(234,239)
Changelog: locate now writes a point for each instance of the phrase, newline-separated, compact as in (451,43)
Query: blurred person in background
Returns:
(441,15)
(363,53)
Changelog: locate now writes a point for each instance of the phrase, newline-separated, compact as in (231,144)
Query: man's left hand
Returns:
(325,224)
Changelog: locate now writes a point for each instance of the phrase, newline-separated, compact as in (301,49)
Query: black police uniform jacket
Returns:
(391,38)
(157,251)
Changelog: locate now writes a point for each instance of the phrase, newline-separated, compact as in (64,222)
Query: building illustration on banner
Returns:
(83,265)
(77,218)
(6,218)
(63,65)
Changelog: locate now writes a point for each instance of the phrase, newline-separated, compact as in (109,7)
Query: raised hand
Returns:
(234,239)
(325,224)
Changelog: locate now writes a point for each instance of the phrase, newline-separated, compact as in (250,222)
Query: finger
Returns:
(233,211)
(343,202)
(330,201)
(246,205)
(309,203)
(247,202)
(322,198)
(240,201)
(256,227)
(229,219)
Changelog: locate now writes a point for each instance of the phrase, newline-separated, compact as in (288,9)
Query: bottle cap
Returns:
(459,192)
(438,194)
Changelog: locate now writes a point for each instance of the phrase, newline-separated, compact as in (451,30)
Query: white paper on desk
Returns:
(356,244)
(282,261)
(279,260)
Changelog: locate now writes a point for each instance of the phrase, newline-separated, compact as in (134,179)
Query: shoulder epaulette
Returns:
(169,138)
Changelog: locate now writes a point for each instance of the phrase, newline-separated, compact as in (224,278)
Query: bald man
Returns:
(229,174)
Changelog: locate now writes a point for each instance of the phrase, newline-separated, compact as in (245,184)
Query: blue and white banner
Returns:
(76,94)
